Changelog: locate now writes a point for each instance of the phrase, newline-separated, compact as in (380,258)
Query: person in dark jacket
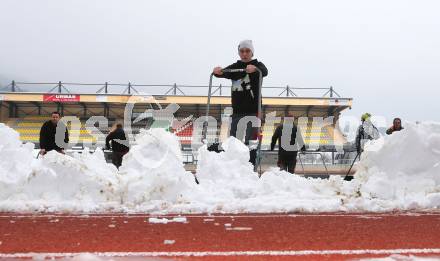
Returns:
(287,158)
(119,149)
(397,126)
(245,90)
(48,135)
(365,132)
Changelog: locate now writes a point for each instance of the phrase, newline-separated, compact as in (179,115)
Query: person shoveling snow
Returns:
(245,92)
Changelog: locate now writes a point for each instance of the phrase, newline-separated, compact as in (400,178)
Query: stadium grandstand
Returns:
(26,111)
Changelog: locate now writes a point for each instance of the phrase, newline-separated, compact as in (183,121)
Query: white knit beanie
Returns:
(246,44)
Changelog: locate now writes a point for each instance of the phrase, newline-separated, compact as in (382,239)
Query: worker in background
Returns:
(397,126)
(119,149)
(287,158)
(366,131)
(48,135)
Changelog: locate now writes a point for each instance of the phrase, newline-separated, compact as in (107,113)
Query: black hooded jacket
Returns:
(245,87)
(295,137)
(113,136)
(47,136)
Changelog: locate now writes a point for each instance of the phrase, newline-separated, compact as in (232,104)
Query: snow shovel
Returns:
(349,178)
(260,75)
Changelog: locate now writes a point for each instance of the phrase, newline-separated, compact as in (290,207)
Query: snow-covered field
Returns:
(399,172)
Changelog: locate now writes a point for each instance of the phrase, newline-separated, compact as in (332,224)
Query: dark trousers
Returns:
(117,158)
(287,162)
(249,134)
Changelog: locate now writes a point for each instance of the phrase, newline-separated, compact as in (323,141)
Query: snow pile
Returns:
(153,175)
(234,187)
(151,178)
(397,172)
(227,177)
(53,182)
(401,171)
(405,172)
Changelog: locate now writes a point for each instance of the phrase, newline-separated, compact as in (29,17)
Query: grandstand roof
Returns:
(110,99)
(167,99)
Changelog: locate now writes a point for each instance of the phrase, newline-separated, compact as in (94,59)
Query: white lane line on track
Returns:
(234,253)
(218,216)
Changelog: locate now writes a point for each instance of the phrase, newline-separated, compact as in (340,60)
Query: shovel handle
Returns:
(234,70)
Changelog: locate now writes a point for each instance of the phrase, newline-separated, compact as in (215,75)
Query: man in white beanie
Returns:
(245,89)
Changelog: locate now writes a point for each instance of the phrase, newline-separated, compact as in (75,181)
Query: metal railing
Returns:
(155,89)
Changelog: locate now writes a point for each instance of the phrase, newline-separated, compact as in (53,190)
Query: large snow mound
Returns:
(404,172)
(397,172)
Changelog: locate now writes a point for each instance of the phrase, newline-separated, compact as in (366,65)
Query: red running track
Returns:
(215,237)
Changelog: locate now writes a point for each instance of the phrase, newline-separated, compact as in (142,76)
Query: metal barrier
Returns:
(165,89)
(312,153)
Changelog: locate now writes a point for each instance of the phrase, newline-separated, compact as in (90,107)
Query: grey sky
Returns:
(384,54)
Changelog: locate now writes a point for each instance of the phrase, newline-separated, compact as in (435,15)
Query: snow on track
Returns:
(153,179)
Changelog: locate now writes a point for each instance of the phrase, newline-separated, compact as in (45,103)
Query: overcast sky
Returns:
(383,53)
